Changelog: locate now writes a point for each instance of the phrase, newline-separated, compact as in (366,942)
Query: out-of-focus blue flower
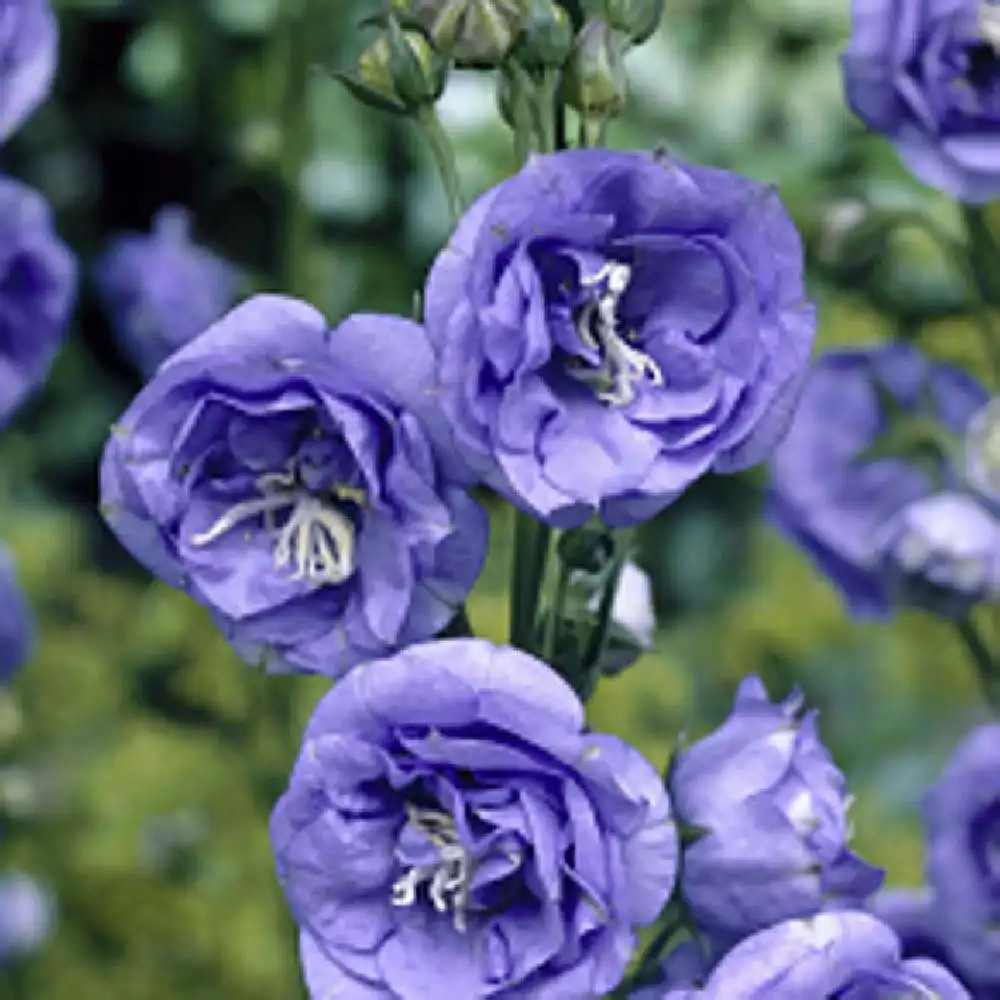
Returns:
(926,74)
(611,326)
(29,44)
(913,917)
(768,808)
(27,915)
(162,289)
(37,290)
(450,825)
(294,479)
(16,626)
(843,954)
(836,501)
(962,813)
(942,553)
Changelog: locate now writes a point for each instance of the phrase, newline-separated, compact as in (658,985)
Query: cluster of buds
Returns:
(406,67)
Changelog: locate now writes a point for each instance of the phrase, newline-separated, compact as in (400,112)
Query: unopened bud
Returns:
(851,236)
(595,77)
(399,72)
(637,19)
(547,38)
(477,33)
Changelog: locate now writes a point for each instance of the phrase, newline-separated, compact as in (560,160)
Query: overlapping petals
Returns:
(296,480)
(611,326)
(473,836)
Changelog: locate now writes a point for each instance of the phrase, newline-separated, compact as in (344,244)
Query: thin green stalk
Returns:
(556,608)
(530,553)
(546,96)
(963,263)
(444,157)
(599,637)
(298,38)
(987,667)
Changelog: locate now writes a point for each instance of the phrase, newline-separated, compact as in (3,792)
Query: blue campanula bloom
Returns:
(29,43)
(848,507)
(843,955)
(27,913)
(926,74)
(163,289)
(451,826)
(683,970)
(37,291)
(295,479)
(962,814)
(16,626)
(942,553)
(769,809)
(611,326)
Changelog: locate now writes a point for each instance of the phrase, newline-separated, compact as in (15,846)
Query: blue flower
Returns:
(451,826)
(296,480)
(37,291)
(29,44)
(27,914)
(844,954)
(16,625)
(962,813)
(611,326)
(926,74)
(942,553)
(163,289)
(768,808)
(848,507)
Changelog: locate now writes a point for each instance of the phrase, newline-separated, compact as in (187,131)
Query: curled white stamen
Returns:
(989,23)
(621,363)
(316,539)
(449,879)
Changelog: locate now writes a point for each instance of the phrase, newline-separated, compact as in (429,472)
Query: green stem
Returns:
(986,666)
(964,264)
(599,637)
(444,157)
(298,40)
(531,550)
(546,93)
(556,609)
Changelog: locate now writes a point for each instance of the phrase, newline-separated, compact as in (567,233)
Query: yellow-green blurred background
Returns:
(138,757)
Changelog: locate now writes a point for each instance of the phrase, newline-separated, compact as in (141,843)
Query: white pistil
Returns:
(449,878)
(989,23)
(316,539)
(621,363)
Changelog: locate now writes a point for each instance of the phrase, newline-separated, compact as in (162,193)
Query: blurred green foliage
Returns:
(138,757)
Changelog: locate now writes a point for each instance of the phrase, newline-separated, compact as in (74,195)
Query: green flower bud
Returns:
(547,38)
(399,72)
(595,77)
(637,19)
(476,33)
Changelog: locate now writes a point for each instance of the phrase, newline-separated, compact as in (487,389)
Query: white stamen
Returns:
(316,540)
(801,814)
(989,23)
(449,878)
(620,362)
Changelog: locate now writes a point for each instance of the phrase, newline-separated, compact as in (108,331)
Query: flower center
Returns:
(448,877)
(311,535)
(621,364)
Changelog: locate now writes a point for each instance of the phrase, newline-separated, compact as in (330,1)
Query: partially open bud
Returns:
(595,77)
(399,72)
(476,33)
(637,19)
(547,38)
(982,450)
